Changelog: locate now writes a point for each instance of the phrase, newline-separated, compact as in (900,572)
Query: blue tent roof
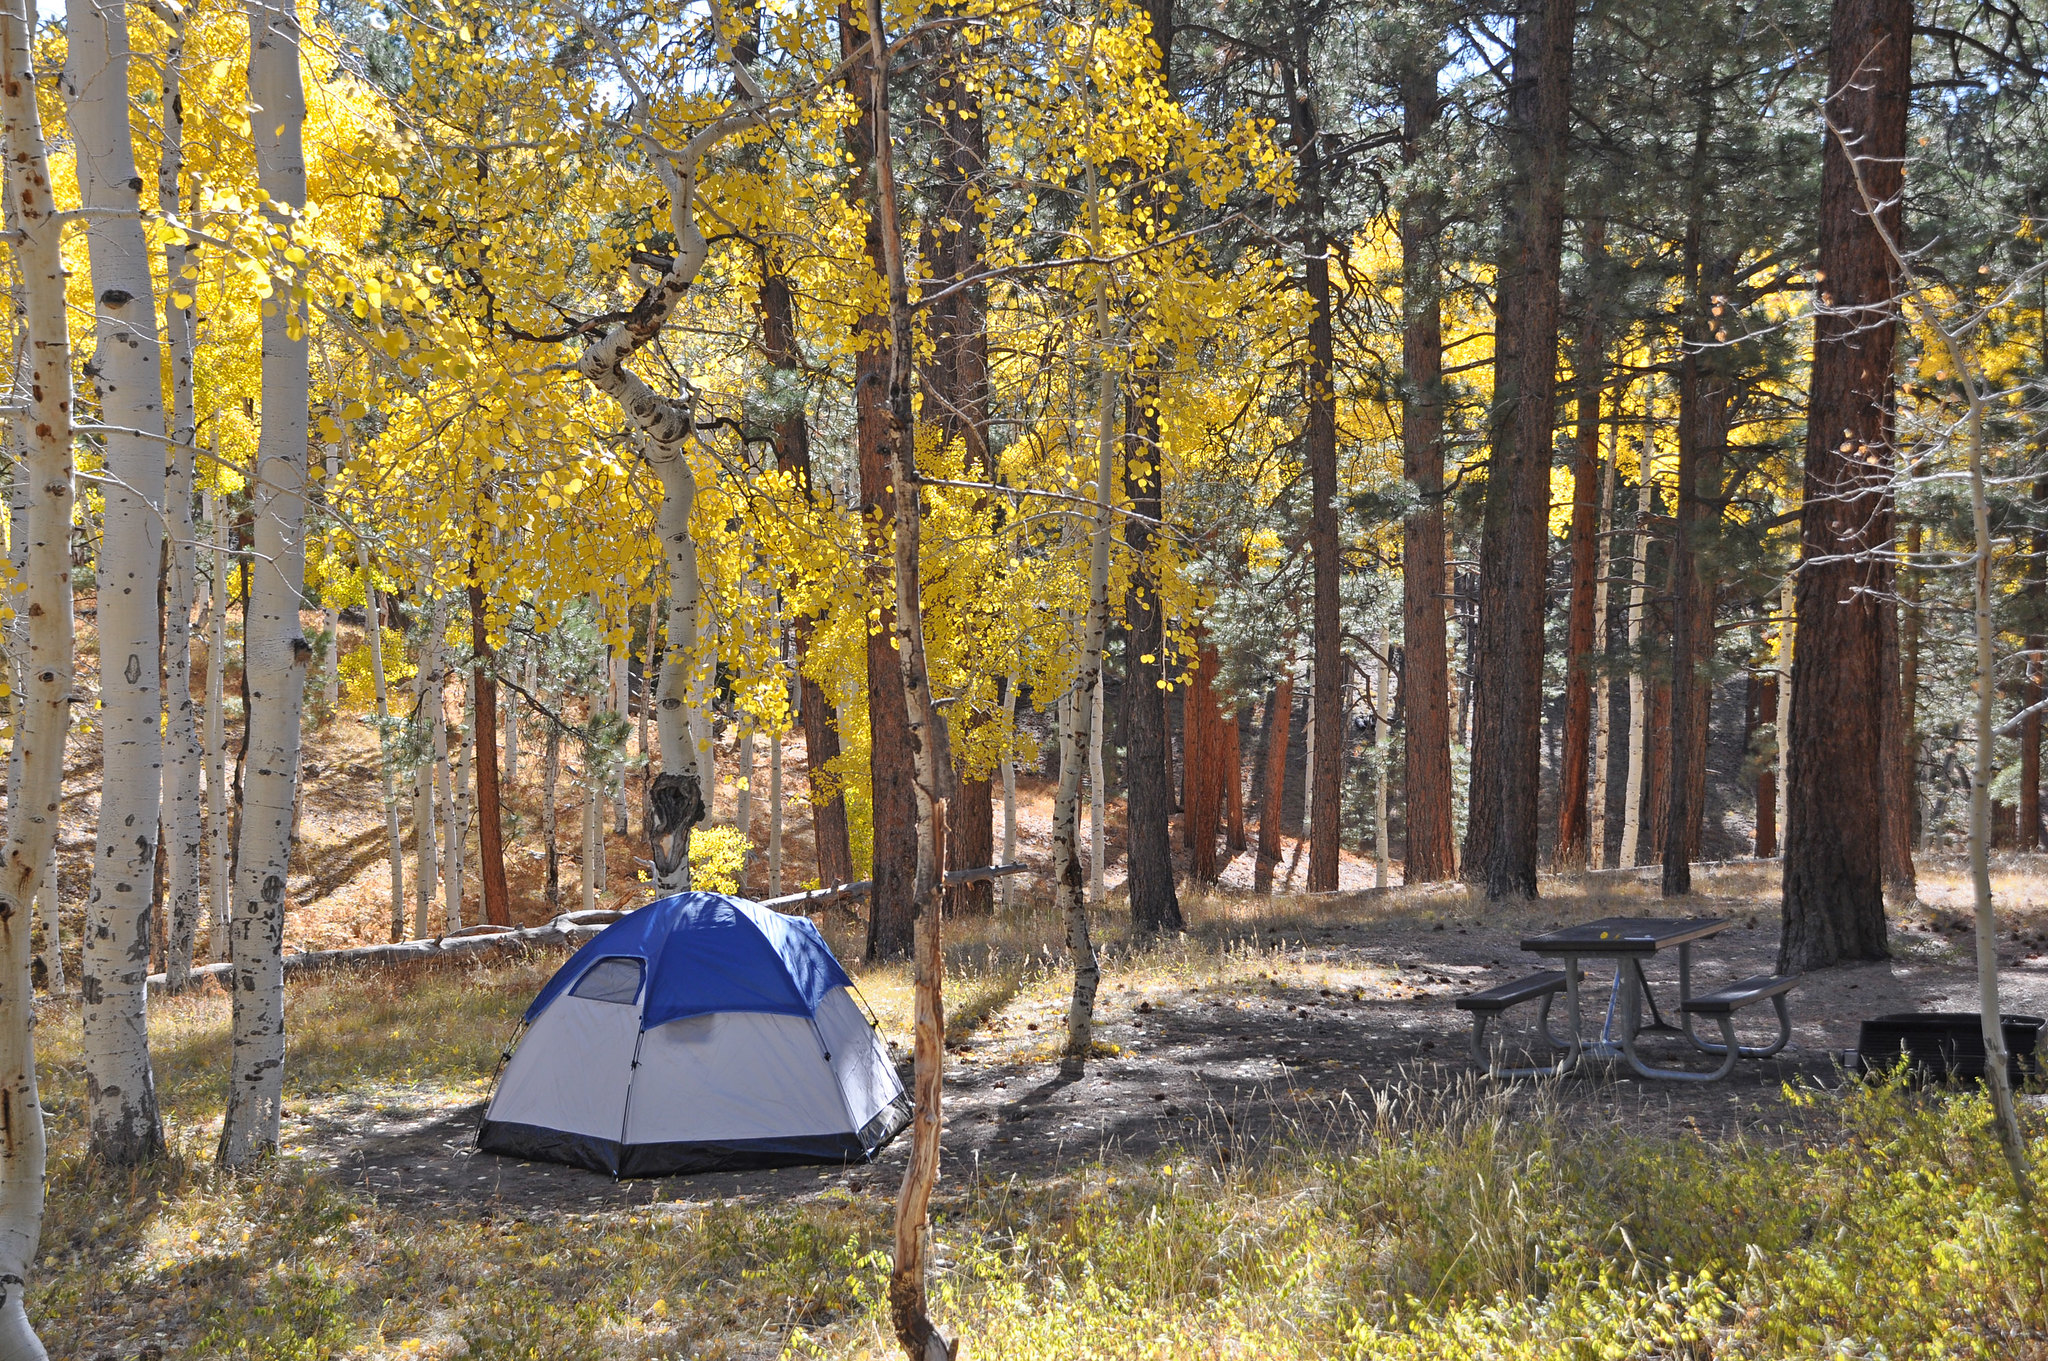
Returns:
(706,952)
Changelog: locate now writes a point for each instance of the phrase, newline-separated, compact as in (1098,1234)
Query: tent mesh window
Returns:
(610,980)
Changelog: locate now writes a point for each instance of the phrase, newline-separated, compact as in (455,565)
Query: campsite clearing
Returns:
(1281,1096)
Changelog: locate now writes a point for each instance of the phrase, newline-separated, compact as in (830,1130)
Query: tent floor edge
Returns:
(535,1143)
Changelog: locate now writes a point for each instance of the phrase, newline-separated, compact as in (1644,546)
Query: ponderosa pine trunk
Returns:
(1500,838)
(1327,663)
(1148,784)
(1203,791)
(1706,392)
(1766,688)
(184,759)
(793,459)
(1431,855)
(891,913)
(1574,813)
(42,710)
(127,369)
(1603,686)
(276,655)
(1148,756)
(1834,837)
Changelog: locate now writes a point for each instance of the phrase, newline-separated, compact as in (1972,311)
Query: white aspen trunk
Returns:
(458,805)
(276,656)
(216,729)
(50,900)
(511,699)
(681,796)
(550,776)
(1010,792)
(393,828)
(127,362)
(444,799)
(330,667)
(743,795)
(1382,695)
(645,696)
(46,896)
(1596,797)
(775,815)
(1075,734)
(622,705)
(425,830)
(1638,717)
(1788,639)
(184,832)
(42,708)
(1096,841)
(592,867)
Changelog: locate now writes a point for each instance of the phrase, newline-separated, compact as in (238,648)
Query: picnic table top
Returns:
(1624,935)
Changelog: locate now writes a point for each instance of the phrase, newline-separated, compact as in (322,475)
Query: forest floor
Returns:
(1279,1148)
(1279,1038)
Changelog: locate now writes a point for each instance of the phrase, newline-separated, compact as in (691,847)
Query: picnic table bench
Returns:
(1629,941)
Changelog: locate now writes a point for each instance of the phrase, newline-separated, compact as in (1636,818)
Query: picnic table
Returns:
(1629,942)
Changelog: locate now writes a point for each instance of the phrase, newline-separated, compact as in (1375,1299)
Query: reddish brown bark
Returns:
(1705,390)
(1279,712)
(1574,834)
(1500,848)
(1834,861)
(1205,749)
(891,905)
(1431,855)
(490,835)
(1765,705)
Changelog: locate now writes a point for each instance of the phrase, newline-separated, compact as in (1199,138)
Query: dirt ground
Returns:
(1280,1024)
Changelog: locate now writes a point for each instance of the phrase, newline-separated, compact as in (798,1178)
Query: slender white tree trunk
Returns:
(444,793)
(593,868)
(743,795)
(1010,793)
(775,815)
(550,777)
(1596,797)
(1638,715)
(275,652)
(1075,733)
(183,756)
(1097,845)
(680,797)
(127,361)
(622,705)
(330,665)
(426,832)
(21,497)
(216,729)
(43,706)
(458,804)
(393,828)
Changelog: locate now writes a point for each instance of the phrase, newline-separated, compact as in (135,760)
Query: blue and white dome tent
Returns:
(700,1033)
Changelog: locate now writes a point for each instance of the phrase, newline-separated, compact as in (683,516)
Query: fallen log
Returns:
(571,928)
